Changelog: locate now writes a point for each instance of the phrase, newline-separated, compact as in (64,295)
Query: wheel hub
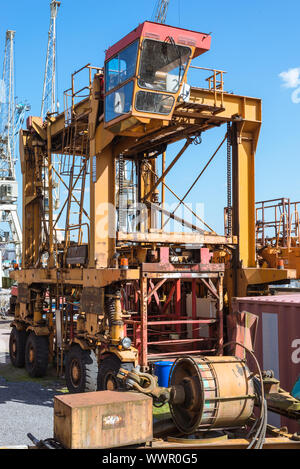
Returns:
(14,348)
(111,382)
(31,354)
(75,372)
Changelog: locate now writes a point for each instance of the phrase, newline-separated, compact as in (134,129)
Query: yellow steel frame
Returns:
(140,137)
(211,108)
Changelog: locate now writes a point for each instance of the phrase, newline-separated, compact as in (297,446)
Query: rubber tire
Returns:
(111,365)
(40,344)
(20,340)
(12,305)
(88,363)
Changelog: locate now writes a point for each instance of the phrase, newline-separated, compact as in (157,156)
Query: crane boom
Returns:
(48,99)
(7,116)
(11,118)
(161,11)
(49,94)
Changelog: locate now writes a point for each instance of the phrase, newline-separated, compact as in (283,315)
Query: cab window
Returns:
(156,103)
(121,67)
(119,102)
(162,65)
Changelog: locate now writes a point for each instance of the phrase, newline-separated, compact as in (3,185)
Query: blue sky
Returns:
(253,41)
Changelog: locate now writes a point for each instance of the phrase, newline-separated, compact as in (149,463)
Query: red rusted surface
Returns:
(161,322)
(205,255)
(161,32)
(278,337)
(168,267)
(242,329)
(14,290)
(164,255)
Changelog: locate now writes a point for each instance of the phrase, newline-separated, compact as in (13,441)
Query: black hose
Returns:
(260,434)
(259,437)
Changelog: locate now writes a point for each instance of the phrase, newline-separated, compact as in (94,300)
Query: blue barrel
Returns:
(162,371)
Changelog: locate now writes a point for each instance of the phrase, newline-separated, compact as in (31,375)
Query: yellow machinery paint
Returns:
(81,276)
(277,234)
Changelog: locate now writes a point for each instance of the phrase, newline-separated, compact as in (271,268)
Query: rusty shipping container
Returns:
(277,344)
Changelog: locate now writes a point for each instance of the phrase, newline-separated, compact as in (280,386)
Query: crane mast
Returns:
(49,95)
(7,110)
(11,119)
(48,100)
(161,11)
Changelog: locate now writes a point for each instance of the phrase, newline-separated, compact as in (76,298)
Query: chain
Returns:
(229,218)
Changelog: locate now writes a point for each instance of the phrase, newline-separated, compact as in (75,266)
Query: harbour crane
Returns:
(12,116)
(49,104)
(161,11)
(49,95)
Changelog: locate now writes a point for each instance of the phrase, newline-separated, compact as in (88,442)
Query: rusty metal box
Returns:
(103,419)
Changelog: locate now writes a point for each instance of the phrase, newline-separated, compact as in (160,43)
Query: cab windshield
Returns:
(162,65)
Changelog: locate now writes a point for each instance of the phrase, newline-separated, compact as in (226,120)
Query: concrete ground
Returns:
(26,404)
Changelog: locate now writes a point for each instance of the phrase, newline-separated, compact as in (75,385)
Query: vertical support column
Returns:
(104,209)
(31,225)
(36,210)
(24,164)
(243,200)
(50,194)
(243,140)
(155,196)
(122,203)
(50,323)
(137,337)
(163,167)
(144,333)
(37,308)
(220,317)
(195,334)
(178,303)
(229,181)
(92,211)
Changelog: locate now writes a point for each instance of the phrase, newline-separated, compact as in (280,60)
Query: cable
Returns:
(179,56)
(259,438)
(229,182)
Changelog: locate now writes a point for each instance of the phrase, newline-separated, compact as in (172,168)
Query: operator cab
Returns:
(145,73)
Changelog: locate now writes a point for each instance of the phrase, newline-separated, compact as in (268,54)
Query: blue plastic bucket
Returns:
(162,371)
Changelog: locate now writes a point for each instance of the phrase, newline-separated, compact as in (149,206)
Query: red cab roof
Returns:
(161,32)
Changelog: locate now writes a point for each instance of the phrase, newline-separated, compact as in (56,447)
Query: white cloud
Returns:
(296,96)
(291,78)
